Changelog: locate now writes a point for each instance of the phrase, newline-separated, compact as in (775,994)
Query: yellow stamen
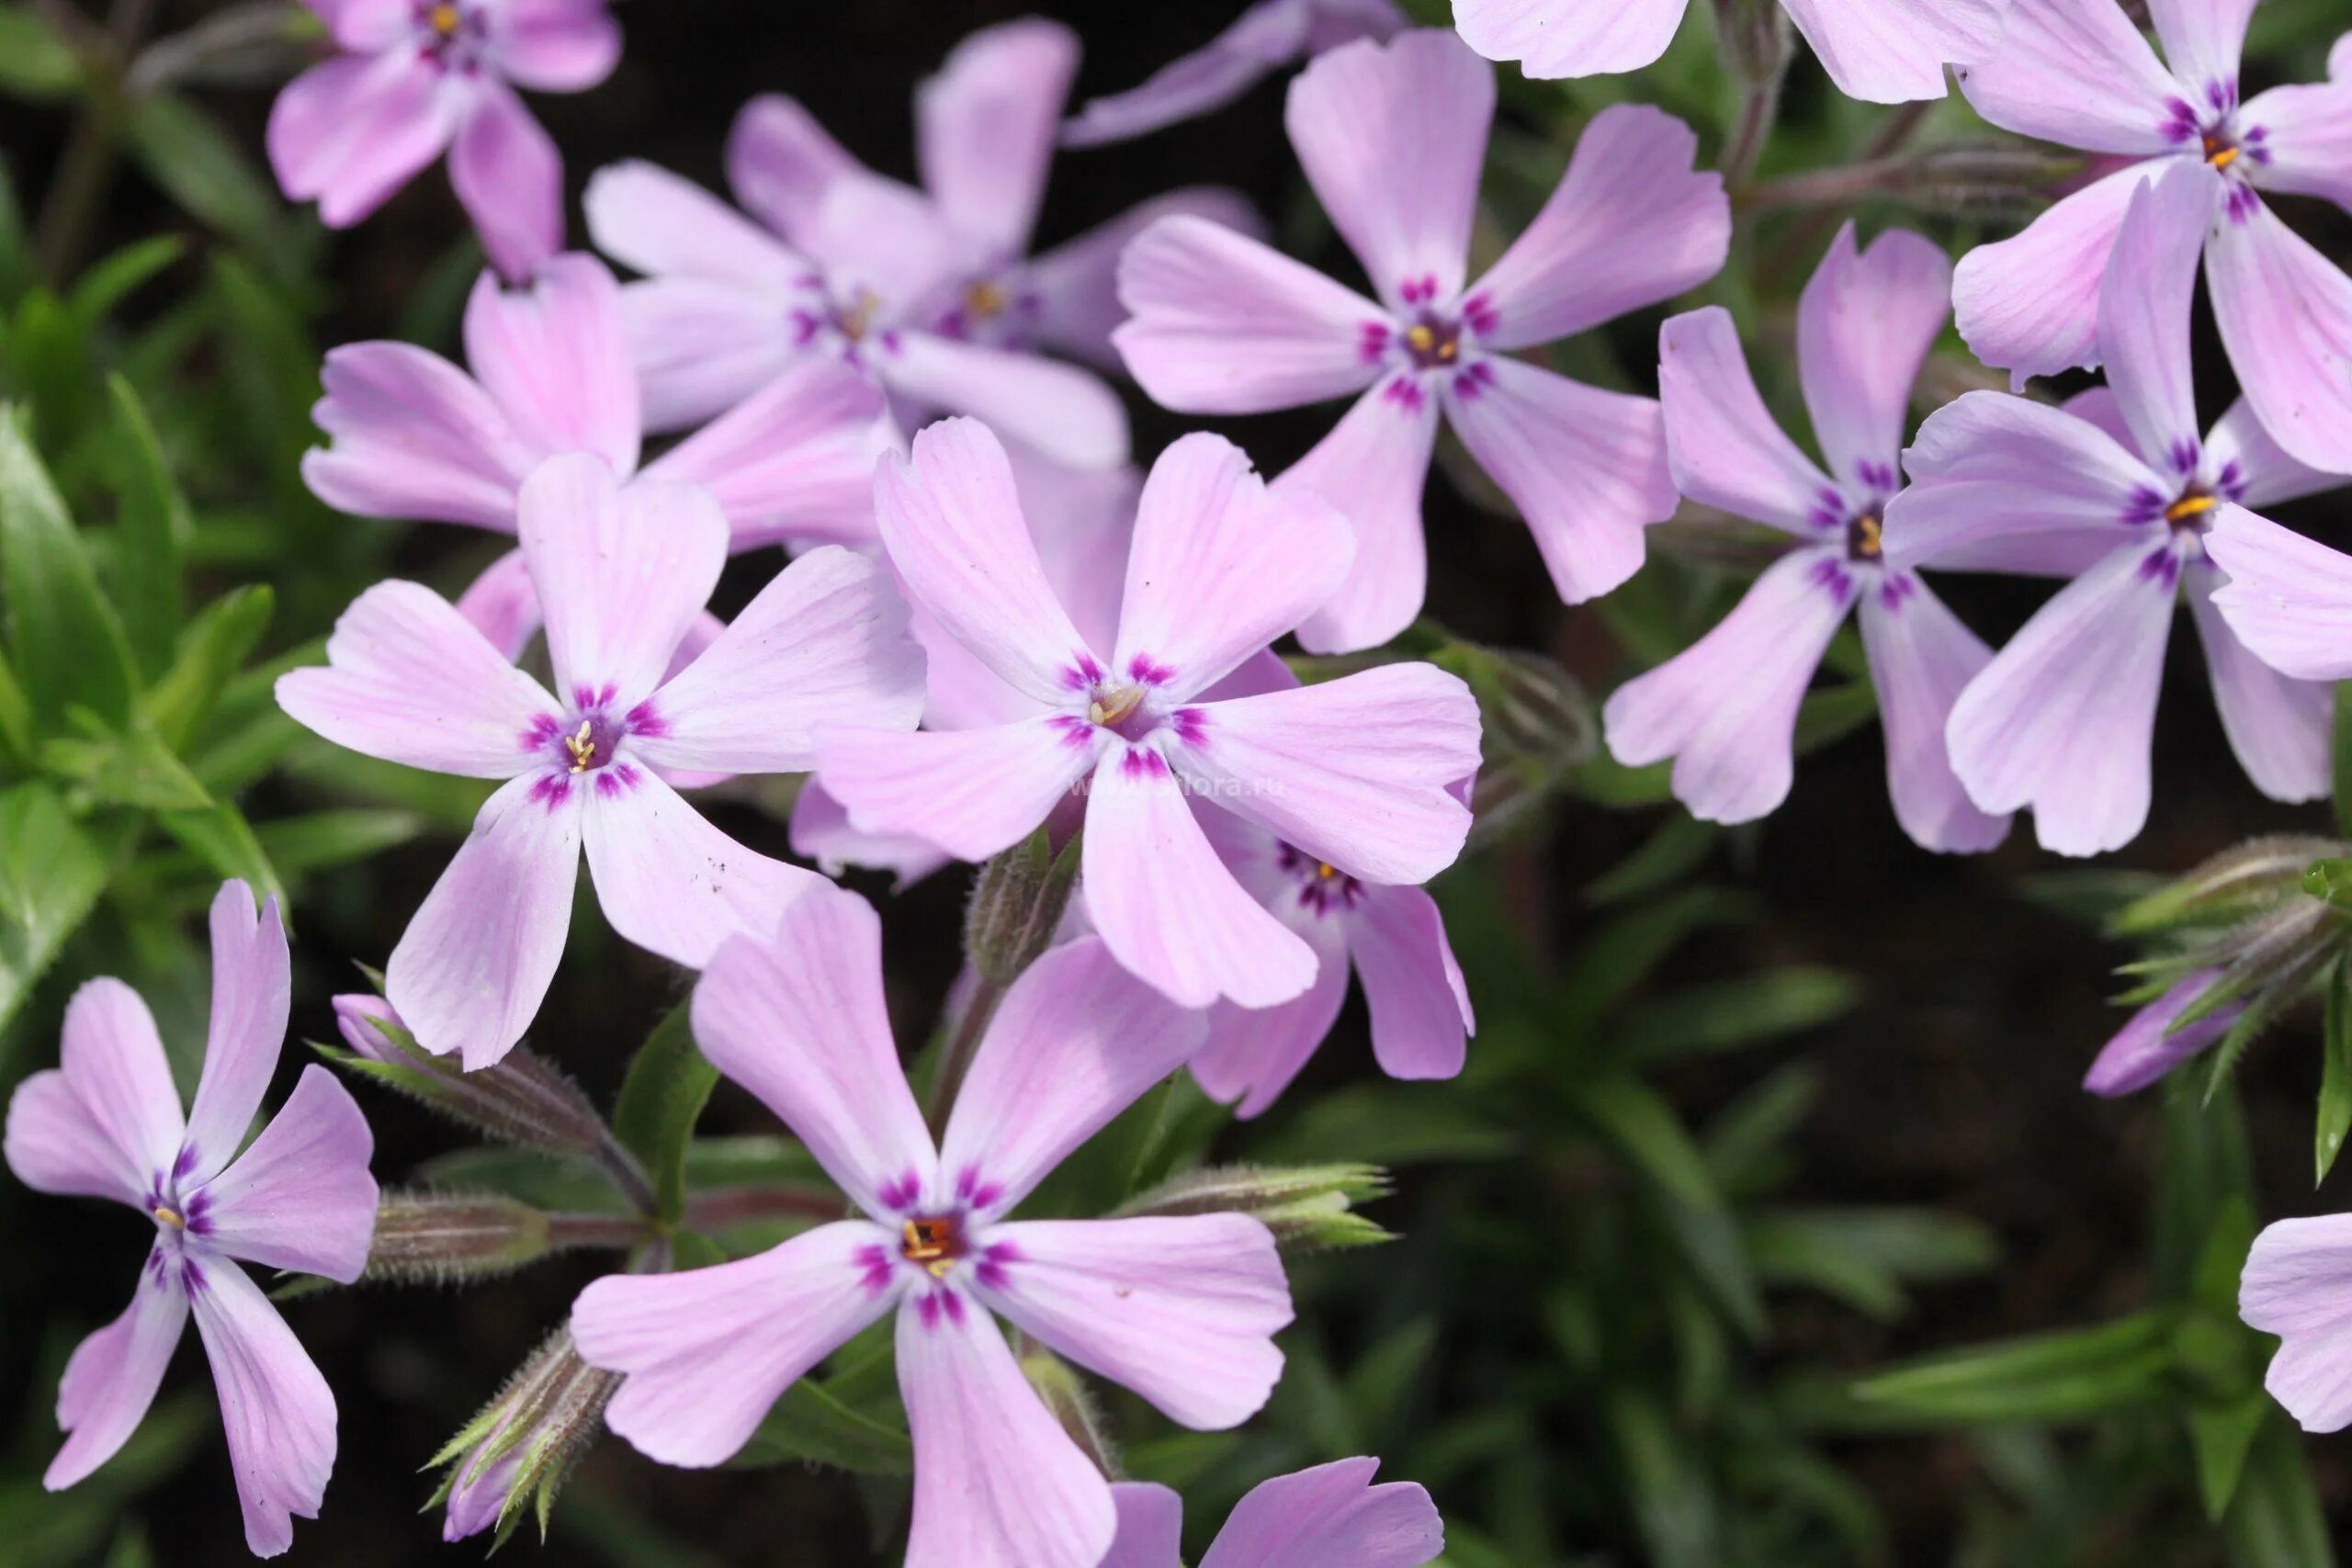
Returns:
(1326,870)
(1869,534)
(858,319)
(445,20)
(2189,506)
(930,1243)
(2224,158)
(1116,706)
(984,299)
(582,748)
(171,1218)
(1420,338)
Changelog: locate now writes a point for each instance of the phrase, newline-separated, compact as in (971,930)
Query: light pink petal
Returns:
(1632,224)
(1220,567)
(2279,727)
(555,355)
(351,131)
(481,951)
(409,680)
(971,792)
(300,1197)
(2289,598)
(821,831)
(2029,305)
(503,606)
(1356,772)
(2203,41)
(509,177)
(2077,72)
(1269,35)
(1165,905)
(1067,414)
(558,46)
(55,1145)
(1864,327)
(1253,1054)
(701,348)
(1723,446)
(1892,51)
(112,1376)
(793,461)
(667,879)
(886,238)
(1552,39)
(113,1061)
(1726,708)
(1330,1516)
(2298,1285)
(780,162)
(366,26)
(2307,137)
(1586,469)
(1151,1528)
(660,224)
(1076,285)
(1074,1043)
(2265,474)
(985,127)
(1372,469)
(2148,1047)
(413,436)
(1220,322)
(951,519)
(276,1411)
(252,992)
(1420,1009)
(998,1482)
(798,1018)
(1183,1310)
(1083,521)
(2143,315)
(1990,465)
(1392,138)
(1921,659)
(622,573)
(2285,312)
(707,1352)
(2064,718)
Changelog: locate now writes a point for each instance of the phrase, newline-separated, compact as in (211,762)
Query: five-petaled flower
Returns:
(1392,138)
(1354,772)
(1330,1516)
(622,575)
(1183,1310)
(108,1125)
(418,76)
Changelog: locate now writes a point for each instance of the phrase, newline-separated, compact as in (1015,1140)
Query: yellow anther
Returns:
(1420,338)
(582,748)
(171,1217)
(445,20)
(1868,540)
(930,1243)
(1326,870)
(2189,506)
(2224,158)
(984,299)
(1116,706)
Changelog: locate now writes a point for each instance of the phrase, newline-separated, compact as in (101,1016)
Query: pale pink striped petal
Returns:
(1331,1517)
(1076,285)
(1864,327)
(1253,1054)
(1553,40)
(2203,41)
(667,879)
(2289,598)
(702,347)
(299,1197)
(821,832)
(2298,1285)
(2285,312)
(555,355)
(276,1410)
(503,606)
(1065,412)
(1420,1011)
(112,1376)
(661,224)
(1990,465)
(1723,445)
(1894,51)
(781,162)
(2077,72)
(1269,35)
(2280,727)
(2029,305)
(971,792)
(413,436)
(2307,136)
(985,127)
(114,1060)
(351,131)
(2255,468)
(1151,1528)
(1372,469)
(2143,315)
(55,1145)
(556,46)
(509,177)
(252,992)
(1921,659)
(793,461)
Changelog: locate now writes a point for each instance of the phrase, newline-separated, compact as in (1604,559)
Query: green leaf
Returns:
(184,150)
(323,839)
(2222,1436)
(1728,1015)
(111,281)
(810,1424)
(215,643)
(222,838)
(50,876)
(1680,845)
(2063,1376)
(66,640)
(151,527)
(1642,1125)
(1864,1256)
(2335,1078)
(16,716)
(2343,758)
(130,767)
(1832,715)
(2275,1520)
(668,1084)
(36,60)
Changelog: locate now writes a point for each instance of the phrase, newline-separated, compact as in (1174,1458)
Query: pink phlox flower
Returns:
(1182,1311)
(1392,138)
(1330,1516)
(108,1124)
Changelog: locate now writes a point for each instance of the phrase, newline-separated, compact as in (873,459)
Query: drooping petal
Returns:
(55,1145)
(1894,51)
(1421,1007)
(796,1017)
(952,521)
(2078,72)
(781,162)
(114,1060)
(1864,327)
(1723,445)
(413,436)
(2143,314)
(1587,468)
(409,680)
(1632,224)
(1372,469)
(1074,1043)
(509,177)
(351,131)
(1921,659)
(2307,137)
(1183,1310)
(708,1351)
(2148,1047)
(1990,465)
(1065,412)
(985,127)
(1253,1054)
(998,1482)
(2285,312)
(1220,322)
(1075,285)
(1551,41)
(555,355)
(2289,598)
(2255,470)
(481,951)
(1220,567)
(2064,718)
(1726,708)
(622,573)
(1356,772)
(2203,41)
(971,792)
(556,46)
(300,1197)
(667,879)
(2298,1285)
(1151,1528)
(113,1375)
(1331,1517)
(1165,905)
(793,461)
(252,992)
(2280,727)
(663,225)
(2029,305)
(276,1410)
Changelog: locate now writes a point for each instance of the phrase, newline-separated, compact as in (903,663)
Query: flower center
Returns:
(856,319)
(1433,342)
(594,744)
(171,1217)
(1322,887)
(933,1241)
(2220,150)
(1114,705)
(985,300)
(2189,515)
(444,19)
(1865,537)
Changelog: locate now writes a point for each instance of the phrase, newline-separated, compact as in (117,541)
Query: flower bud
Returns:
(1017,904)
(522,1101)
(1754,35)
(432,1238)
(515,1455)
(1072,1405)
(1310,1208)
